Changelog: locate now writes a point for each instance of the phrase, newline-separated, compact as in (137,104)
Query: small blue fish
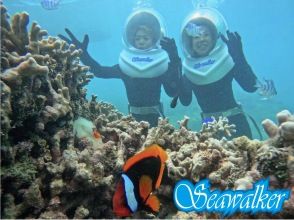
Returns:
(267,89)
(207,120)
(50,4)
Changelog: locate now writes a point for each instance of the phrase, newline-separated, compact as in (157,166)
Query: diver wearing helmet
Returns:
(147,62)
(213,58)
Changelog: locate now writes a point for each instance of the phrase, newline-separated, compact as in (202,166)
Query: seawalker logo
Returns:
(205,63)
(199,198)
(142,59)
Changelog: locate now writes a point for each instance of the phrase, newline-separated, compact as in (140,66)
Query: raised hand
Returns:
(234,44)
(169,45)
(73,40)
(85,56)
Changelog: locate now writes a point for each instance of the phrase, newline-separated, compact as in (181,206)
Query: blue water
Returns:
(266,27)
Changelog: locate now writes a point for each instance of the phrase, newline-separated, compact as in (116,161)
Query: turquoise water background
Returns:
(266,28)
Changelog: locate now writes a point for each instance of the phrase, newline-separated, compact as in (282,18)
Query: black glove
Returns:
(73,40)
(235,48)
(85,57)
(169,45)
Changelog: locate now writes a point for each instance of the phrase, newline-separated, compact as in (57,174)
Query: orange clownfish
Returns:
(142,174)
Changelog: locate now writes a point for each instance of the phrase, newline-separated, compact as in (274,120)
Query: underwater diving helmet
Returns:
(218,62)
(148,62)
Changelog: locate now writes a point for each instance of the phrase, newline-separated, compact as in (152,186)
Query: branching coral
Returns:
(222,161)
(168,137)
(217,129)
(42,91)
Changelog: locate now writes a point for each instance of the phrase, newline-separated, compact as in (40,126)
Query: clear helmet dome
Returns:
(203,16)
(148,21)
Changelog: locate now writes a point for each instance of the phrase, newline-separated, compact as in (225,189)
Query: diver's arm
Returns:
(242,71)
(95,67)
(245,76)
(172,77)
(105,72)
(185,92)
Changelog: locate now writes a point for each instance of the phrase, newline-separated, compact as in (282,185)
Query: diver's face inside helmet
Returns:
(143,38)
(203,42)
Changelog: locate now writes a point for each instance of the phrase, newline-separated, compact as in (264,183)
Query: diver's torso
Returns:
(217,96)
(143,91)
(142,74)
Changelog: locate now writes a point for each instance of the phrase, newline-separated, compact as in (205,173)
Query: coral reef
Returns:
(42,92)
(48,172)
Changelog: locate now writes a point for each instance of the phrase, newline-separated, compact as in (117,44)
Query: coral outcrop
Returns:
(42,91)
(276,155)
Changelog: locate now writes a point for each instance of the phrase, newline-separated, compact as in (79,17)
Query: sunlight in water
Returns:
(206,3)
(142,4)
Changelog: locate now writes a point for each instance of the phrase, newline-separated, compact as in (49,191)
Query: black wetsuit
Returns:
(218,96)
(141,92)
